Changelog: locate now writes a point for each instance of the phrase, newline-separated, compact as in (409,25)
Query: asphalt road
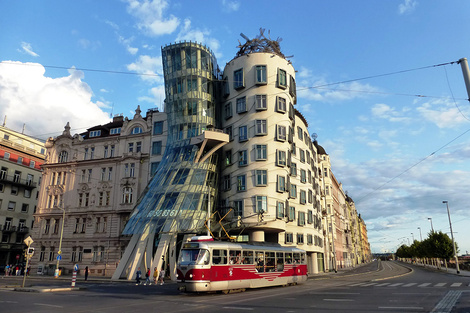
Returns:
(385,287)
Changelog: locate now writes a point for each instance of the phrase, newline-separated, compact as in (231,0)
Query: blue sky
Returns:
(376,130)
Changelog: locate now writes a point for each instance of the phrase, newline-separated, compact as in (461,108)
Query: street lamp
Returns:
(452,235)
(430,219)
(56,274)
(420,236)
(412,236)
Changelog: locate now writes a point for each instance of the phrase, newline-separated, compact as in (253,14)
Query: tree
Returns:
(438,245)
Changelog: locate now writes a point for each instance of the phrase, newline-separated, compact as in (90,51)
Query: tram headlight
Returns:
(190,275)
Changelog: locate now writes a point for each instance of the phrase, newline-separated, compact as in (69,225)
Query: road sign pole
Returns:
(74,278)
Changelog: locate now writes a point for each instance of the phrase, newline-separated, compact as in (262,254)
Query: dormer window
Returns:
(136,130)
(115,131)
(95,133)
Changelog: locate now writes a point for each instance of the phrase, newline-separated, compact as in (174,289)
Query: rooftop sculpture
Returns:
(260,43)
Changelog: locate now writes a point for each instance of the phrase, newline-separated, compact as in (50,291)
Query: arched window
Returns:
(63,156)
(136,130)
(127,195)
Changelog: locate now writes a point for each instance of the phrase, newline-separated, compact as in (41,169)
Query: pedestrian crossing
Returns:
(407,285)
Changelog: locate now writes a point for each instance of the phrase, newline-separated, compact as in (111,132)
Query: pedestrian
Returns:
(147,276)
(7,269)
(161,275)
(86,272)
(138,275)
(155,276)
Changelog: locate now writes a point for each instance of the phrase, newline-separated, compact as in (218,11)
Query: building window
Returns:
(261,75)
(228,157)
(238,79)
(241,105)
(310,216)
(156,148)
(280,210)
(293,169)
(261,204)
(95,133)
(115,131)
(301,221)
(228,131)
(281,133)
(138,146)
(136,130)
(192,106)
(63,156)
(303,176)
(243,158)
(191,84)
(281,183)
(242,133)
(281,104)
(158,128)
(238,208)
(309,239)
(293,191)
(11,205)
(241,183)
(261,127)
(310,196)
(281,158)
(127,195)
(281,78)
(302,155)
(228,110)
(261,103)
(261,177)
(303,197)
(20,160)
(226,182)
(25,207)
(14,190)
(103,173)
(6,156)
(291,213)
(325,172)
(300,238)
(261,152)
(289,238)
(90,172)
(130,147)
(153,167)
(92,153)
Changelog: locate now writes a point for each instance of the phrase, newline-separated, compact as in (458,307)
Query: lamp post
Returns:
(430,219)
(413,237)
(59,253)
(420,235)
(452,235)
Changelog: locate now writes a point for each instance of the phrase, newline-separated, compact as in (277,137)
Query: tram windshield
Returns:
(194,256)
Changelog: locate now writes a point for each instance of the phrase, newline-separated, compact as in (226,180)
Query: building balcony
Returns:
(15,180)
(8,229)
(23,229)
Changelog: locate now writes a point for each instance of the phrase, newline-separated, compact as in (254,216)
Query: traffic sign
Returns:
(28,241)
(60,252)
(17,256)
(59,257)
(75,267)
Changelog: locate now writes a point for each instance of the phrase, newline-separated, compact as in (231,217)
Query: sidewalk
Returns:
(441,269)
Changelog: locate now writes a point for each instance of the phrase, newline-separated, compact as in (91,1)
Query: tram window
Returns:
(247,257)
(280,261)
(302,256)
(194,256)
(219,257)
(235,257)
(270,261)
(259,261)
(297,258)
(289,258)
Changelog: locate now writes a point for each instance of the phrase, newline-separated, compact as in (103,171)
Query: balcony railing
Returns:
(17,181)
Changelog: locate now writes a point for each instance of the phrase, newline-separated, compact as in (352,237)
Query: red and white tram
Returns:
(207,265)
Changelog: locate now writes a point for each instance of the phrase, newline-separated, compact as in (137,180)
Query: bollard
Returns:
(74,278)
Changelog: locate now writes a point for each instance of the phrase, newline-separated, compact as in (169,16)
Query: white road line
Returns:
(383,284)
(395,285)
(371,284)
(440,285)
(51,305)
(237,308)
(447,303)
(401,307)
(409,285)
(424,285)
(339,300)
(355,285)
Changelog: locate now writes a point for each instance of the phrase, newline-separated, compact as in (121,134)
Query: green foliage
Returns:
(437,245)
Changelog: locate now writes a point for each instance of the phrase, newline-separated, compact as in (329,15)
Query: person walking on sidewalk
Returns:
(147,276)
(161,276)
(86,272)
(138,275)
(155,276)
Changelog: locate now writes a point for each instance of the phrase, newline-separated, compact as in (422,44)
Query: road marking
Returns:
(456,285)
(448,302)
(51,305)
(440,285)
(424,285)
(338,300)
(334,293)
(371,284)
(359,284)
(409,285)
(395,285)
(401,307)
(237,308)
(383,284)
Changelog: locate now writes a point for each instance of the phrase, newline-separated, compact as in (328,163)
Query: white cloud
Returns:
(126,42)
(230,6)
(150,67)
(384,111)
(24,88)
(150,16)
(444,114)
(201,36)
(28,49)
(407,7)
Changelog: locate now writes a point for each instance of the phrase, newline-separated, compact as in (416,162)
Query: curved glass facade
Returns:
(176,197)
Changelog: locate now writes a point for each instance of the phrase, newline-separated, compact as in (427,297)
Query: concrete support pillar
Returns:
(315,263)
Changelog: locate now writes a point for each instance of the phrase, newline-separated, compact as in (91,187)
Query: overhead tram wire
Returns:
(409,168)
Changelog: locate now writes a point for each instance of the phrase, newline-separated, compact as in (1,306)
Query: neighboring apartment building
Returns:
(94,179)
(21,158)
